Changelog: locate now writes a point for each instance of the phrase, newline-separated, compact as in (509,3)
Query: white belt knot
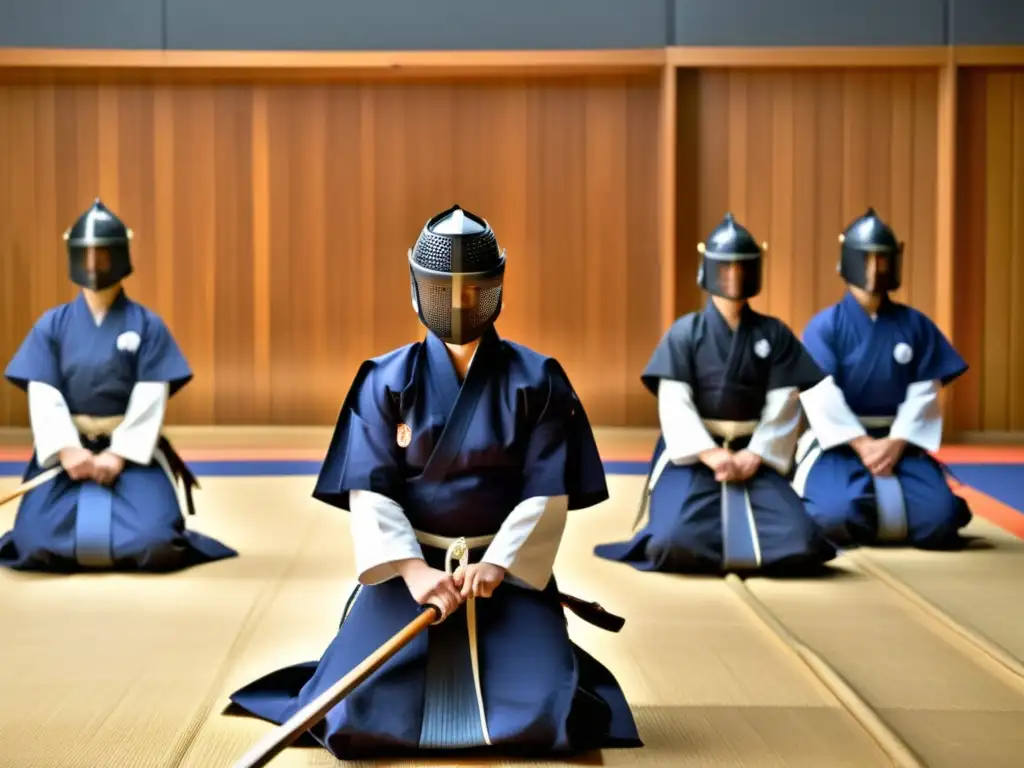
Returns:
(458,551)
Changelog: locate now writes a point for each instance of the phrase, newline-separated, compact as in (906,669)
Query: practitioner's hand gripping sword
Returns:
(271,745)
(282,736)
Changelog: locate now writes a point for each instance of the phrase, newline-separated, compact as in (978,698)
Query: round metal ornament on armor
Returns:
(456,271)
(403,435)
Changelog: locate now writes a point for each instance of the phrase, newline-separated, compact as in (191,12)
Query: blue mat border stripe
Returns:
(996,480)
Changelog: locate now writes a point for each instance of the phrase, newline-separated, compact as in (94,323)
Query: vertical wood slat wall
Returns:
(272,222)
(989,301)
(274,204)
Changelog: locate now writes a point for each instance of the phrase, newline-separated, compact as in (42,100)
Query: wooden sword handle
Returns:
(35,482)
(275,742)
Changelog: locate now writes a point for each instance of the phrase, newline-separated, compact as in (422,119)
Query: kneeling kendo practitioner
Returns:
(866,474)
(98,372)
(728,382)
(461,441)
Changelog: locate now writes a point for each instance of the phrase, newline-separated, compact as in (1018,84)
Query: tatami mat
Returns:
(115,671)
(982,587)
(899,663)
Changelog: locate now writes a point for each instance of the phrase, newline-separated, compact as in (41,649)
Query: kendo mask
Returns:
(731,262)
(99,252)
(871,257)
(456,271)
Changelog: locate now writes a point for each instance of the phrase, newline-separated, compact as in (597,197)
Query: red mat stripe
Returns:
(994,511)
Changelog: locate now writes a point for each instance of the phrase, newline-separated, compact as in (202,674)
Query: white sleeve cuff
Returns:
(381,536)
(775,436)
(136,437)
(52,427)
(919,418)
(527,543)
(829,416)
(684,432)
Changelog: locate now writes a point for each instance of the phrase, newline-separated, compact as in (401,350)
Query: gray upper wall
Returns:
(810,22)
(364,25)
(367,25)
(988,22)
(73,24)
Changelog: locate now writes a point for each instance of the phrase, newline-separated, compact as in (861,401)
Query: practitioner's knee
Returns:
(671,556)
(155,553)
(32,545)
(935,520)
(843,522)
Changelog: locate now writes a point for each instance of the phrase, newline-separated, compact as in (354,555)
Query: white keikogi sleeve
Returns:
(684,432)
(527,543)
(381,536)
(136,437)
(830,418)
(776,434)
(52,427)
(919,418)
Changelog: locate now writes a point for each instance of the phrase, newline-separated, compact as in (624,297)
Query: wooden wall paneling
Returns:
(323,66)
(198,267)
(806,57)
(446,64)
(751,165)
(643,310)
(945,221)
(988,55)
(920,289)
(9,266)
(989,268)
(903,156)
(945,207)
(1016,257)
(19,200)
(998,239)
(808,162)
(672,133)
(780,114)
(828,215)
(971,260)
(272,222)
(262,384)
(231,249)
(708,175)
(796,154)
(692,178)
(260,258)
(603,162)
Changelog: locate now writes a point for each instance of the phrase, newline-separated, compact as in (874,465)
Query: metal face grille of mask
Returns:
(456,271)
(478,306)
